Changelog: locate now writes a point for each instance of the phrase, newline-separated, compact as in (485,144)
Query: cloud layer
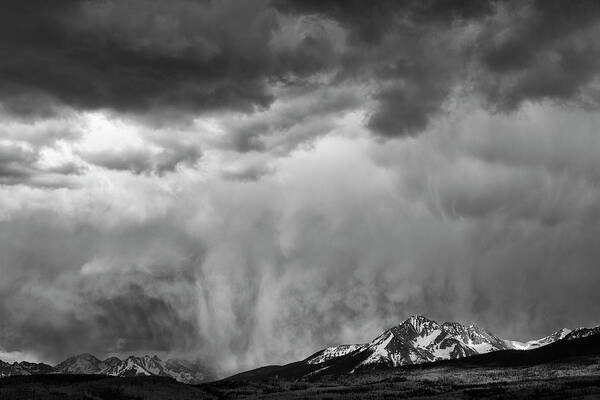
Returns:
(247,182)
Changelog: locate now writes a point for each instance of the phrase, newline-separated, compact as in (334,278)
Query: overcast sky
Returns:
(248,181)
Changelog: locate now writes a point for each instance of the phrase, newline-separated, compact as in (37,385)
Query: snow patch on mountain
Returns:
(427,340)
(534,344)
(334,352)
(378,349)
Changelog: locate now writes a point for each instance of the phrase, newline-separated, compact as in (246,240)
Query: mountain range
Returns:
(86,364)
(417,340)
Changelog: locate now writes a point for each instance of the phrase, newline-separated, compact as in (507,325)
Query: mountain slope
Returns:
(419,340)
(180,370)
(587,346)
(582,332)
(533,344)
(24,368)
(80,364)
(415,341)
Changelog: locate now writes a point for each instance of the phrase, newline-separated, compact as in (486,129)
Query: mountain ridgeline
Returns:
(417,340)
(87,364)
(420,340)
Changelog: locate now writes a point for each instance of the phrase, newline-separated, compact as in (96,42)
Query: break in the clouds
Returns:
(245,182)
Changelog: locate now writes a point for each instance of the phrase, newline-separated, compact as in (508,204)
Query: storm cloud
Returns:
(148,55)
(246,182)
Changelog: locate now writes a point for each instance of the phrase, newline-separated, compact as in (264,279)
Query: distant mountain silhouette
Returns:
(88,364)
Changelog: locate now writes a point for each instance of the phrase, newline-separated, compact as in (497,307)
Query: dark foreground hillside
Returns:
(76,387)
(440,383)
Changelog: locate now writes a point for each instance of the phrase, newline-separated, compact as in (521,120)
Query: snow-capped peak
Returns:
(81,364)
(582,332)
(419,340)
(533,344)
(333,352)
(86,363)
(420,324)
(563,332)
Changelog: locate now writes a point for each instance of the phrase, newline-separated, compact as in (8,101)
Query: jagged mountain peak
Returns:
(84,363)
(419,339)
(85,356)
(416,340)
(145,358)
(582,332)
(532,344)
(416,325)
(181,370)
(473,327)
(379,353)
(454,328)
(559,334)
(420,323)
(112,360)
(417,320)
(24,368)
(479,335)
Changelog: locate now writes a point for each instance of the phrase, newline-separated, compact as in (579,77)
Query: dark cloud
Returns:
(122,323)
(141,320)
(133,160)
(144,160)
(15,162)
(416,83)
(184,56)
(509,52)
(25,142)
(112,55)
(540,50)
(371,23)
(147,55)
(20,165)
(408,49)
(298,117)
(248,173)
(60,302)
